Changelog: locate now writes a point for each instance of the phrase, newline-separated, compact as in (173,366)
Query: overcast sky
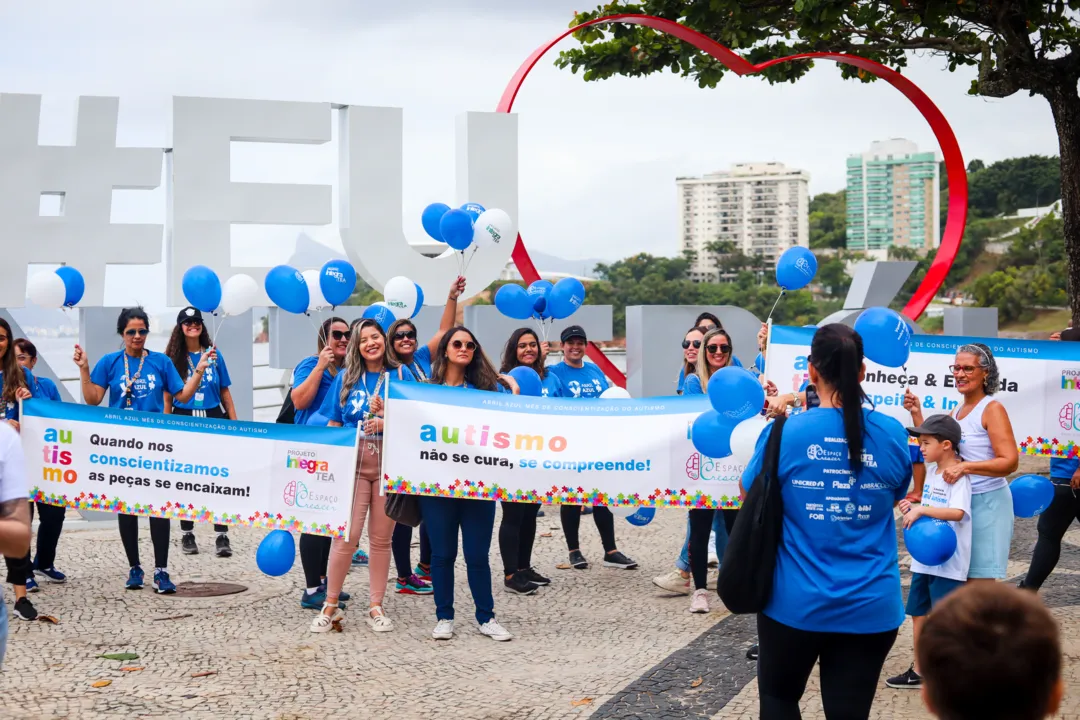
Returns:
(598,161)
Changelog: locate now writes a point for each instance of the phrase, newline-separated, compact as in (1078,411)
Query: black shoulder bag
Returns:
(287,414)
(746,573)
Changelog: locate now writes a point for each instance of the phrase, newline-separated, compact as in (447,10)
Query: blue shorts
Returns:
(926,592)
(991,533)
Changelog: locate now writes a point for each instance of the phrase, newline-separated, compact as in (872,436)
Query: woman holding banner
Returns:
(187,344)
(459,361)
(354,400)
(989,453)
(138,379)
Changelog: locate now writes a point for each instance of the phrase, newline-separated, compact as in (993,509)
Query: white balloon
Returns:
(616,392)
(400,296)
(239,294)
(493,227)
(316,301)
(623,510)
(46,289)
(744,439)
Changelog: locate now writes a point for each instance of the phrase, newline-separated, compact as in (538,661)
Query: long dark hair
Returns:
(708,316)
(391,331)
(324,331)
(837,354)
(510,358)
(177,347)
(13,373)
(479,373)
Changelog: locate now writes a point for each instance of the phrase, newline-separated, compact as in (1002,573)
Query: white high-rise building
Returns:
(763,208)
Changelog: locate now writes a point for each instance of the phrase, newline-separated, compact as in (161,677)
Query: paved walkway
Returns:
(601,643)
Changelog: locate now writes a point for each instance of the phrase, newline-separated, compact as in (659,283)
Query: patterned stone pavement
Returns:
(601,643)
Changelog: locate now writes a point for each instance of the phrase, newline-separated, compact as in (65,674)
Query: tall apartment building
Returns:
(892,198)
(761,207)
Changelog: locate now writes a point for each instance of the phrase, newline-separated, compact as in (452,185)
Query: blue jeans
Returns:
(3,629)
(475,519)
(718,526)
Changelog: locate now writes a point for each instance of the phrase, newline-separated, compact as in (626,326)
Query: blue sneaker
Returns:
(360,558)
(315,600)
(341,595)
(162,584)
(31,585)
(51,574)
(135,579)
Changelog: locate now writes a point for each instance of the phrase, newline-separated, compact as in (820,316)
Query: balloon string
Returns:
(468,260)
(782,291)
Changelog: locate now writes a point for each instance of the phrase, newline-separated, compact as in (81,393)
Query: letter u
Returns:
(447,437)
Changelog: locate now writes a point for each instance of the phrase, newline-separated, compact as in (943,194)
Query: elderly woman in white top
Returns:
(988,452)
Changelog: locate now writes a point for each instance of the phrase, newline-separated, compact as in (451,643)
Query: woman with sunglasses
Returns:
(414,359)
(187,344)
(989,453)
(311,381)
(139,379)
(459,361)
(354,400)
(691,346)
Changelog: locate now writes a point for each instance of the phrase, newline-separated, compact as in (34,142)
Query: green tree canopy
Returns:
(828,221)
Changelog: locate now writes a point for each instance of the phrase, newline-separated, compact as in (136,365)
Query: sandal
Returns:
(325,623)
(378,621)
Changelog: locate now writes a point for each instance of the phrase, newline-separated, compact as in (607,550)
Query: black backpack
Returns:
(746,573)
(287,414)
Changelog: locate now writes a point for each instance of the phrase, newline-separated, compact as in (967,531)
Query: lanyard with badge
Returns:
(370,415)
(127,387)
(191,373)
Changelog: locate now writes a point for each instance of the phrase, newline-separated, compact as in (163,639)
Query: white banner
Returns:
(1040,381)
(291,477)
(451,442)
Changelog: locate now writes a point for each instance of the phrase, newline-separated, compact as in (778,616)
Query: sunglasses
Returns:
(192,322)
(687,343)
(141,332)
(405,335)
(341,334)
(963,369)
(725,348)
(468,345)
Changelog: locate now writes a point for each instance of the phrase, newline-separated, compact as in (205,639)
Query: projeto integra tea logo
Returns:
(309,462)
(1070,379)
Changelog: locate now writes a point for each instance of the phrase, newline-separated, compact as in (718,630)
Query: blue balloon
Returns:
(380,314)
(456,228)
(431,218)
(930,541)
(1031,495)
(886,336)
(512,301)
(643,516)
(528,381)
(73,285)
(796,268)
(711,434)
(287,289)
(540,306)
(276,553)
(202,288)
(565,298)
(540,289)
(736,394)
(419,301)
(475,210)
(337,280)
(759,363)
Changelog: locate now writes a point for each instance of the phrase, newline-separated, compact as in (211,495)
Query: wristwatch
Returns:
(796,401)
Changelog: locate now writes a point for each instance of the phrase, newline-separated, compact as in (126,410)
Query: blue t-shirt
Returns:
(836,568)
(420,367)
(916,454)
(551,385)
(692,386)
(11,409)
(681,381)
(587,381)
(354,410)
(44,388)
(214,380)
(681,386)
(1063,468)
(158,376)
(301,373)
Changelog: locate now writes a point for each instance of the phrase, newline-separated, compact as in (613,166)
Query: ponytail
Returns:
(837,355)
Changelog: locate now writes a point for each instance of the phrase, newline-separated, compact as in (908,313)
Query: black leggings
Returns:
(517,533)
(850,670)
(1053,523)
(52,522)
(314,555)
(571,522)
(401,547)
(701,521)
(159,536)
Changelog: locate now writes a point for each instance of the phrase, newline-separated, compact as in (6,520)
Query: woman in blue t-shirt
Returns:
(187,344)
(139,379)
(459,361)
(836,589)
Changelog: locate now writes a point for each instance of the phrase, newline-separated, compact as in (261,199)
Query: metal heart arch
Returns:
(950,149)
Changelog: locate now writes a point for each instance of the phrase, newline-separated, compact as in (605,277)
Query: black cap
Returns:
(941,425)
(574,331)
(189,313)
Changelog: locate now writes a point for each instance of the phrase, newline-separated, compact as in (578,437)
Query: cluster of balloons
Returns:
(402,298)
(63,288)
(886,336)
(312,290)
(276,553)
(468,225)
(734,424)
(542,300)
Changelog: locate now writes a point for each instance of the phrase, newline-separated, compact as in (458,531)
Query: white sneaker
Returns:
(325,623)
(710,581)
(673,582)
(713,559)
(444,630)
(700,602)
(495,631)
(379,622)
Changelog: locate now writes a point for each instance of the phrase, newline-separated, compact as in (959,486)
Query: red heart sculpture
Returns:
(954,161)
